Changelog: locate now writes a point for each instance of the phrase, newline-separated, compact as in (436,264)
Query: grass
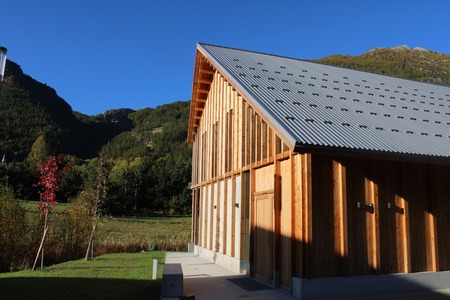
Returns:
(122,234)
(155,233)
(110,276)
(32,206)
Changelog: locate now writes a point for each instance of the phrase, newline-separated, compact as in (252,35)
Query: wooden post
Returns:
(340,214)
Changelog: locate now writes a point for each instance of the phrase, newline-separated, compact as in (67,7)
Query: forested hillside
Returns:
(402,61)
(30,109)
(142,155)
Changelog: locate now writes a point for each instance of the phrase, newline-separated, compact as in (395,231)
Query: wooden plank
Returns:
(297,217)
(263,237)
(264,141)
(252,221)
(286,217)
(357,262)
(277,225)
(231,217)
(257,138)
(222,220)
(340,214)
(264,179)
(372,214)
(307,213)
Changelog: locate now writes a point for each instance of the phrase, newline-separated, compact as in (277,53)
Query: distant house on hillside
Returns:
(306,171)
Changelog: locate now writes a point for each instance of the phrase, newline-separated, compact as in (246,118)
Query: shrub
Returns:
(13,232)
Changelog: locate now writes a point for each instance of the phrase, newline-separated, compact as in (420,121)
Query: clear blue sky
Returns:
(105,54)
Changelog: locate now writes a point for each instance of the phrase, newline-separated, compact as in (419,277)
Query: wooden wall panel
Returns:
(323,258)
(286,224)
(340,215)
(419,203)
(238,218)
(209,219)
(229,217)
(357,212)
(221,218)
(441,193)
(264,179)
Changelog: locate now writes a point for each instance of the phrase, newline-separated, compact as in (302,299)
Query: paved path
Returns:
(207,280)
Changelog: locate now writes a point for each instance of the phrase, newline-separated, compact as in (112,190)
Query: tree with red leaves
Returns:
(51,172)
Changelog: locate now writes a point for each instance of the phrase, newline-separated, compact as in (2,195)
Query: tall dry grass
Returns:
(68,236)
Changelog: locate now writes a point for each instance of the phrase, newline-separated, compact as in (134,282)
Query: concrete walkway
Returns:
(206,280)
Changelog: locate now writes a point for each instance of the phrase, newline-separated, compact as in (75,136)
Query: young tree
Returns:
(51,172)
(97,198)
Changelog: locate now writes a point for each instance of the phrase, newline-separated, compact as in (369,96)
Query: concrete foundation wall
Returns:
(370,285)
(231,263)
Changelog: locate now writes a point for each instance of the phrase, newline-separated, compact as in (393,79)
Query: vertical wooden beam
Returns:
(430,229)
(223,219)
(294,214)
(277,234)
(298,251)
(405,227)
(251,144)
(252,221)
(306,214)
(372,222)
(233,216)
(212,231)
(244,133)
(194,217)
(264,152)
(402,235)
(257,138)
(340,214)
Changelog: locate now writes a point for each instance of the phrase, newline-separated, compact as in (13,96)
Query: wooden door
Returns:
(264,237)
(362,212)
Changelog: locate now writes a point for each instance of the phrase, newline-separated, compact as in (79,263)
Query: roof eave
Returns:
(371,154)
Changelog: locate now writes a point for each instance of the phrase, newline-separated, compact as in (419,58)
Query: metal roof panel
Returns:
(317,105)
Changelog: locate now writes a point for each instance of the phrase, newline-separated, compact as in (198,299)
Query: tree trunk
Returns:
(41,248)
(91,243)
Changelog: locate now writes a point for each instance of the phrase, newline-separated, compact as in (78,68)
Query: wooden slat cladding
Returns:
(377,217)
(232,134)
(324,215)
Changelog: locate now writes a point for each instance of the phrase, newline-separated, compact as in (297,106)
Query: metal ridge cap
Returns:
(249,95)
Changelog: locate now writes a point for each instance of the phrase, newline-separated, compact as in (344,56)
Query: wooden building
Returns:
(303,170)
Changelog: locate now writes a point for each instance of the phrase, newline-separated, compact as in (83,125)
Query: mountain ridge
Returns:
(401,61)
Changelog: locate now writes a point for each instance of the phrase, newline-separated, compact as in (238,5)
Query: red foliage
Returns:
(51,172)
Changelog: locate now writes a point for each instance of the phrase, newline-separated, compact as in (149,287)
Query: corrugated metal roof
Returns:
(320,106)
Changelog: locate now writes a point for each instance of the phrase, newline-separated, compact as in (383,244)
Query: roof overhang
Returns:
(203,75)
(370,154)
(205,67)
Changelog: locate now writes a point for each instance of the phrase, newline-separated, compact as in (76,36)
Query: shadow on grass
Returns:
(78,288)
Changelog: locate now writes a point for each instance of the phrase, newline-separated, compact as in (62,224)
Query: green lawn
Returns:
(110,276)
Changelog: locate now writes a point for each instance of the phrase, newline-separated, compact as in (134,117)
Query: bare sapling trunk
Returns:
(91,243)
(41,246)
(100,194)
